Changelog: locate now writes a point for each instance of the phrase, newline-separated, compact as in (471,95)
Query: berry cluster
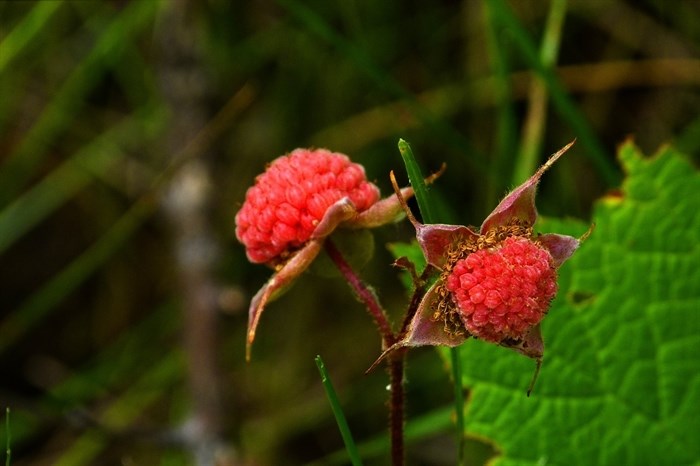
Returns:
(503,291)
(290,198)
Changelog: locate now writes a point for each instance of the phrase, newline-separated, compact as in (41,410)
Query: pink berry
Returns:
(286,203)
(503,291)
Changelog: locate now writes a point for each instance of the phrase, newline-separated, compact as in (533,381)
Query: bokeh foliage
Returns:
(90,316)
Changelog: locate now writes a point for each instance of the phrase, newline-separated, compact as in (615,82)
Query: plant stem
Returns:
(8,450)
(363,292)
(456,364)
(396,412)
(395,361)
(418,183)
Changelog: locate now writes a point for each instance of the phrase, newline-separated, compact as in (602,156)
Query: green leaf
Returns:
(621,377)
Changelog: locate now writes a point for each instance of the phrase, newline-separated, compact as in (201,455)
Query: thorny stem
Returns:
(419,285)
(363,292)
(395,362)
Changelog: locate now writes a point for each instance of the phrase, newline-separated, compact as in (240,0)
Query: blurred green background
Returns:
(130,131)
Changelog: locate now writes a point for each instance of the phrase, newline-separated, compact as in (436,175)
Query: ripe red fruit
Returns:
(298,202)
(289,200)
(503,291)
(496,283)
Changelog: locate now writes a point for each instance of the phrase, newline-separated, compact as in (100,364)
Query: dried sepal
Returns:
(387,210)
(520,203)
(494,285)
(561,247)
(300,200)
(279,281)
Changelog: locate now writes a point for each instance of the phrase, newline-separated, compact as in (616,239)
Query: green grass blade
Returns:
(19,165)
(533,127)
(560,98)
(338,413)
(25,31)
(417,180)
(90,162)
(415,176)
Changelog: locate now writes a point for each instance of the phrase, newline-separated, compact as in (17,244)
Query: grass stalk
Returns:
(421,192)
(536,118)
(394,363)
(349,442)
(562,101)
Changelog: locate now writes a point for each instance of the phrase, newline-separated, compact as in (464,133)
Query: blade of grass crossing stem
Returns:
(338,413)
(8,449)
(563,103)
(420,428)
(417,180)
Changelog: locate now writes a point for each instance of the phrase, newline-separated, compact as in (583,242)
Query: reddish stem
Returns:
(395,362)
(363,292)
(396,404)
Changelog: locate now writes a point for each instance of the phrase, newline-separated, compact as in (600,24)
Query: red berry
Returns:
(286,203)
(503,291)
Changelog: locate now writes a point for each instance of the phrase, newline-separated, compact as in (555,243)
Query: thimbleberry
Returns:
(504,290)
(496,283)
(294,206)
(289,200)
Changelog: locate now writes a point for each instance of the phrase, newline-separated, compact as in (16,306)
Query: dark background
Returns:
(130,131)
